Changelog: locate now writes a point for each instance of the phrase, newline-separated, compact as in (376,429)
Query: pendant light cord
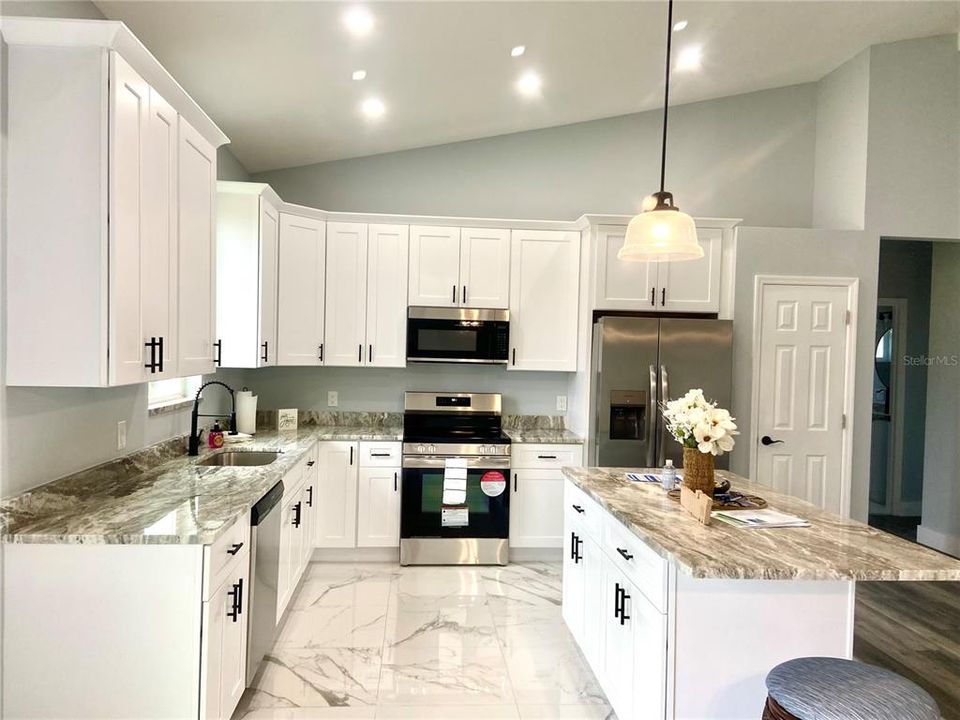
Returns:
(666,95)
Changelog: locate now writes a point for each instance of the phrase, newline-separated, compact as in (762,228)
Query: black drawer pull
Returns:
(373,454)
(311,463)
(624,554)
(578,509)
(235,548)
(546,457)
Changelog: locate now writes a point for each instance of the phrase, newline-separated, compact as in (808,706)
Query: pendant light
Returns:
(661,233)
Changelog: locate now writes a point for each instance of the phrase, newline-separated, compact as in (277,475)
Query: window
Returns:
(164,393)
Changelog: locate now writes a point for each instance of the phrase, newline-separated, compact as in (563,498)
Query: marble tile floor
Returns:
(381,642)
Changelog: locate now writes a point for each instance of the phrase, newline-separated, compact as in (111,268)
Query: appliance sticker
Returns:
(454,517)
(493,483)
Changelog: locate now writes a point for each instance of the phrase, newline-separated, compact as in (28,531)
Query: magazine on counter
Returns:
(765,518)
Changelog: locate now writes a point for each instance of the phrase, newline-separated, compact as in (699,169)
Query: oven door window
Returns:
(422,513)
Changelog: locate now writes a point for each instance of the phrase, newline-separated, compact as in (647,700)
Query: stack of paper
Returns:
(455,481)
(759,519)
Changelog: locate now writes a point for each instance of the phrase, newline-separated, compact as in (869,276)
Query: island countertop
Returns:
(832,548)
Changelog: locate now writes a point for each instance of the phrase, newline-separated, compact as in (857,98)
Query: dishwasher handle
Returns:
(267,503)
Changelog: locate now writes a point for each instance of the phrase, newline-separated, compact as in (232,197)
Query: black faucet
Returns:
(194,442)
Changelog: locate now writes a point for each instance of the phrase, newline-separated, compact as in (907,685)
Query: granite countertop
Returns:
(162,496)
(832,548)
(547,436)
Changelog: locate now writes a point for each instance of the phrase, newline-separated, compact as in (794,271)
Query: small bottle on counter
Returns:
(668,476)
(215,437)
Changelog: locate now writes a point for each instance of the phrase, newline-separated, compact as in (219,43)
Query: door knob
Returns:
(767,440)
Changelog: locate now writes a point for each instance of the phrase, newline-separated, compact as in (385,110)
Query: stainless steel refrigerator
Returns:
(638,363)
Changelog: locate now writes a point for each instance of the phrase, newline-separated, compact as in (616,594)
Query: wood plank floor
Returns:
(913,628)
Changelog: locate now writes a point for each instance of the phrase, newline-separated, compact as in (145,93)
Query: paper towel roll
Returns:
(246,412)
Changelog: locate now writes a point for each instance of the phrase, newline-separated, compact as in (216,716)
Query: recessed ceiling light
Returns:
(529,84)
(518,51)
(689,58)
(359,74)
(678,26)
(358,21)
(373,107)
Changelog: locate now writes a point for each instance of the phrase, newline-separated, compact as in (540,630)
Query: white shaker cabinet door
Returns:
(302,275)
(269,240)
(485,268)
(345,312)
(536,509)
(544,292)
(378,507)
(693,285)
(434,266)
(129,103)
(337,495)
(197,195)
(387,254)
(622,285)
(159,248)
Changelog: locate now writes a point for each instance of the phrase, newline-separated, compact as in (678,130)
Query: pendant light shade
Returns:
(661,233)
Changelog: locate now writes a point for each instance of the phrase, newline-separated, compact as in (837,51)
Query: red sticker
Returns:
(493,483)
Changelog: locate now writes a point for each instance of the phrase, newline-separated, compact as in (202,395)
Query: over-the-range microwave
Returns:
(458,335)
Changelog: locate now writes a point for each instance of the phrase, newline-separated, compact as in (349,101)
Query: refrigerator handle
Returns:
(652,416)
(664,396)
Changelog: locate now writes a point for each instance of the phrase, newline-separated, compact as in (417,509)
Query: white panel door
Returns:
(214,617)
(544,288)
(378,507)
(536,509)
(291,546)
(387,256)
(693,285)
(196,313)
(234,605)
(800,405)
(337,496)
(485,267)
(302,274)
(622,285)
(617,671)
(129,102)
(573,587)
(159,250)
(269,240)
(345,311)
(434,266)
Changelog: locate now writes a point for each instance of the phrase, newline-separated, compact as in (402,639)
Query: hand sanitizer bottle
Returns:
(668,477)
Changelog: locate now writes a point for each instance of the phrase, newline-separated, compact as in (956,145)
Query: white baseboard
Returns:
(356,555)
(536,554)
(944,542)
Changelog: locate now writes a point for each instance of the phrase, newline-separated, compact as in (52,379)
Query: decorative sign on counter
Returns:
(696,503)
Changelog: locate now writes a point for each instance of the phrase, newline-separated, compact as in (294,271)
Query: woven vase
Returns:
(698,470)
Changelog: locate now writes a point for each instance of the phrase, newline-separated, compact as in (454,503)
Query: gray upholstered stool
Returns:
(821,688)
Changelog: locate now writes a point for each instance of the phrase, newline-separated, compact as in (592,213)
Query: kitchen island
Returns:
(681,620)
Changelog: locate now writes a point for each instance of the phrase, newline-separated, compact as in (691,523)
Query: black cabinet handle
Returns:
(454,299)
(546,457)
(579,509)
(767,440)
(237,605)
(616,600)
(369,353)
(663,296)
(265,350)
(514,482)
(622,603)
(320,355)
(575,543)
(514,361)
(394,482)
(311,463)
(373,454)
(310,496)
(351,454)
(218,357)
(360,353)
(235,548)
(152,365)
(297,509)
(653,296)
(624,554)
(161,353)
(464,296)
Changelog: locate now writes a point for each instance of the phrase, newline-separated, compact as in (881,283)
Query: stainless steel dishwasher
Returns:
(265,561)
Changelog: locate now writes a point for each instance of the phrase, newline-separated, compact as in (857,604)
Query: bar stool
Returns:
(823,688)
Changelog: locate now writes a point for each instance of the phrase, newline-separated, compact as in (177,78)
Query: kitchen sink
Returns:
(235,458)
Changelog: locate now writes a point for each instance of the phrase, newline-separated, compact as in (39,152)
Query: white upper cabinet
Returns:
(248,225)
(688,286)
(197,200)
(95,207)
(459,267)
(386,328)
(485,268)
(346,304)
(301,290)
(434,266)
(544,291)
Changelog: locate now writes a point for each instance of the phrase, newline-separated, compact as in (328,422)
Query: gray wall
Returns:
(905,268)
(228,167)
(790,251)
(748,156)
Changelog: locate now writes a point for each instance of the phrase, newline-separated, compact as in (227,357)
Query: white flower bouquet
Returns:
(695,422)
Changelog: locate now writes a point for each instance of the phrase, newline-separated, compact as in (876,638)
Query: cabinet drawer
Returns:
(218,558)
(588,512)
(546,457)
(380,454)
(640,564)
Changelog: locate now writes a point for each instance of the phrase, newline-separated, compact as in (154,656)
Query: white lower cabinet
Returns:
(299,520)
(378,507)
(337,496)
(536,494)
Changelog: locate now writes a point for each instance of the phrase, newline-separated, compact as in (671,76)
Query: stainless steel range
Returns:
(455,501)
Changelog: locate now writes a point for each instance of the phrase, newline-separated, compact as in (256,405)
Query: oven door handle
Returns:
(435,461)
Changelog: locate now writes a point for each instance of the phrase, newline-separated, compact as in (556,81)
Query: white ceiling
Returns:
(276,75)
